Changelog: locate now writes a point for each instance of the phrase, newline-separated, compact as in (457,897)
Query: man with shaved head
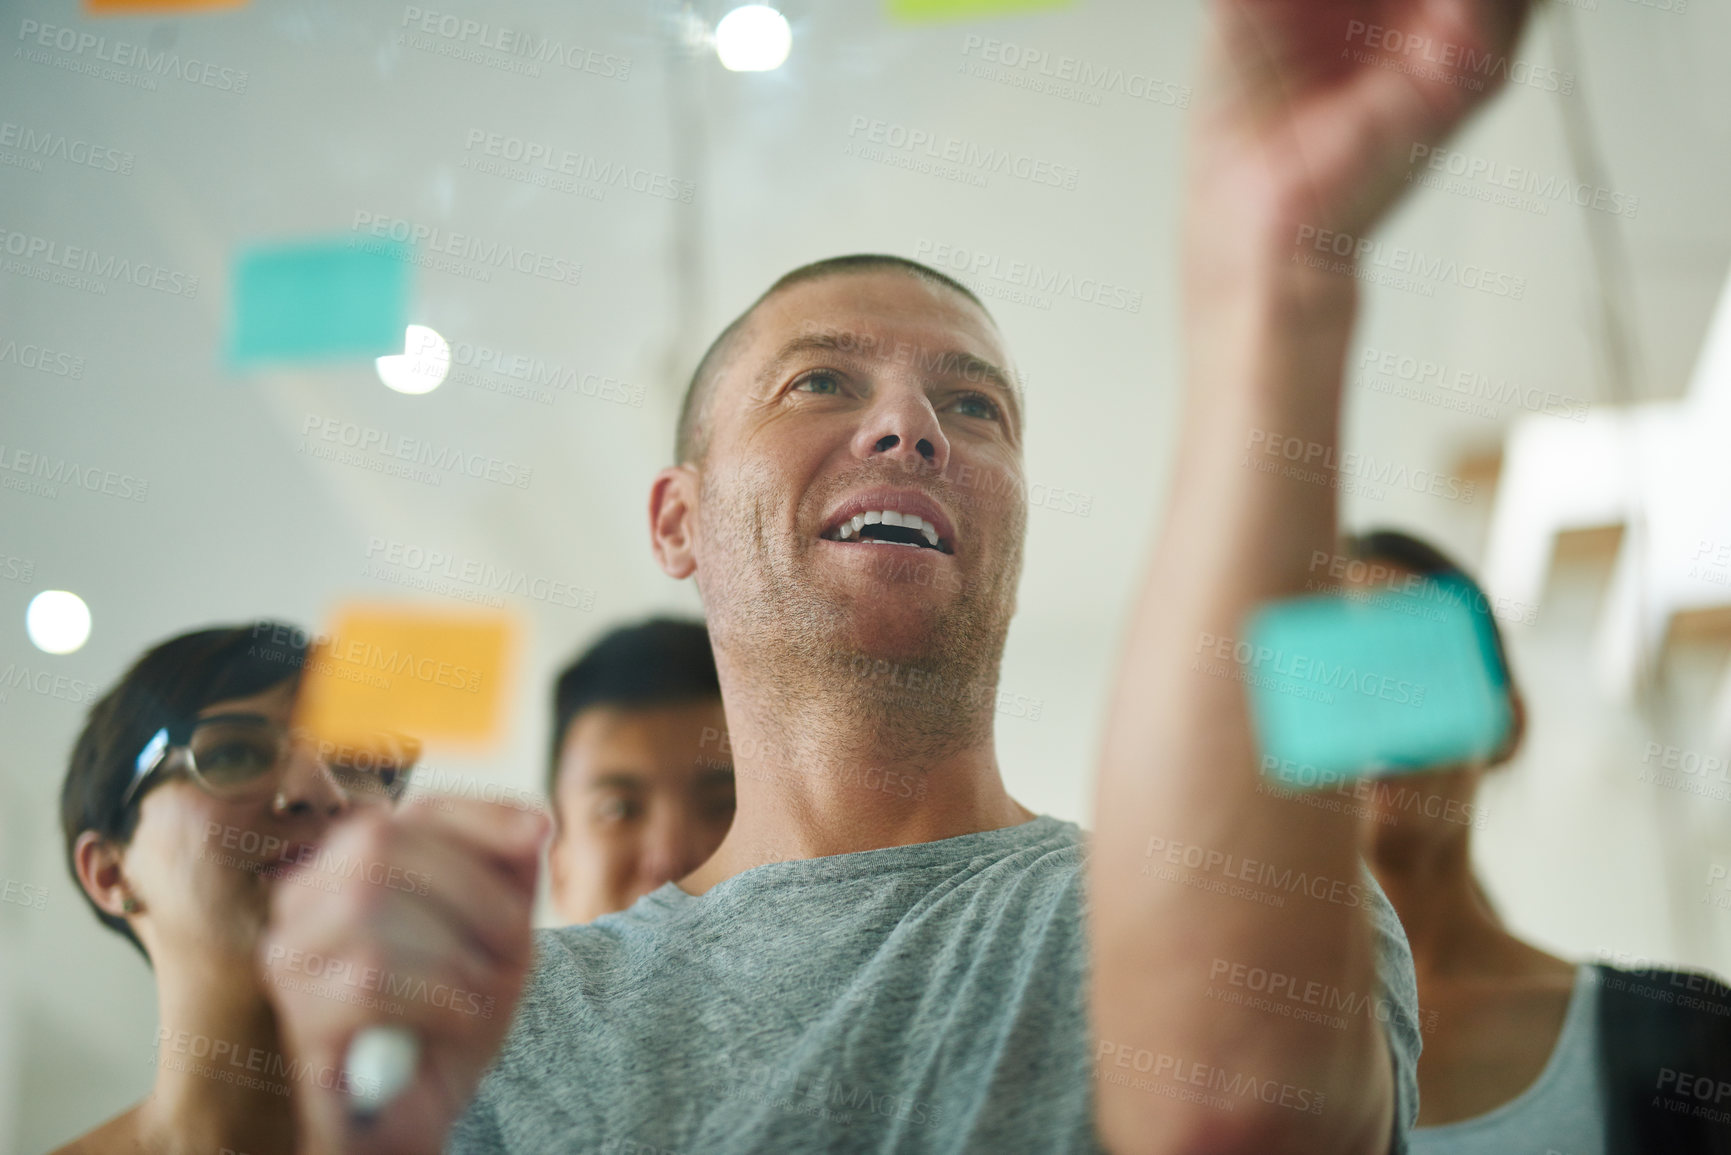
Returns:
(873,413)
(887,952)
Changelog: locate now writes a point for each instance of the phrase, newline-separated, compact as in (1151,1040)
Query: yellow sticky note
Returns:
(440,677)
(954,9)
(147,7)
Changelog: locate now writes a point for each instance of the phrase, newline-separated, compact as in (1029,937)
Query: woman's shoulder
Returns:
(118,1136)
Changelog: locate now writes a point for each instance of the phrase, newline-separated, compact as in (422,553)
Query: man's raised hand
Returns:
(1313,106)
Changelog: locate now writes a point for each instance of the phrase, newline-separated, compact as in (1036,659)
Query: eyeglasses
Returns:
(234,756)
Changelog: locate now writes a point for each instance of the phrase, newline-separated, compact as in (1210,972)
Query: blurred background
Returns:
(1033,153)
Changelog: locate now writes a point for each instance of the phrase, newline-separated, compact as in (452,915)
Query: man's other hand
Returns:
(417,919)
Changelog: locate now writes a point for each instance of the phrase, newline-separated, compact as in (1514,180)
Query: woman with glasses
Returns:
(189,795)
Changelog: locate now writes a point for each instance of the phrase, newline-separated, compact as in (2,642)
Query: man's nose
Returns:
(670,849)
(902,428)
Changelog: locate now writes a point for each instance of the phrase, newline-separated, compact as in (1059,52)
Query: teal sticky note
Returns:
(327,299)
(1397,680)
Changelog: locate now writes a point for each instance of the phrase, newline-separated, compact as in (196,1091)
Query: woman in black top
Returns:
(1494,1006)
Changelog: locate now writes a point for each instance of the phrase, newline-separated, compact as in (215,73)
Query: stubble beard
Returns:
(806,649)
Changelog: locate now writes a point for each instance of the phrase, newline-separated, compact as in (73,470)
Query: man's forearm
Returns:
(1192,865)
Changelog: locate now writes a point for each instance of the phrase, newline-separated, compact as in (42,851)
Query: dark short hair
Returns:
(659,662)
(1395,547)
(691,439)
(169,685)
(1422,558)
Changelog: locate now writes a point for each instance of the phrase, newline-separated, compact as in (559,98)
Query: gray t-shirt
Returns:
(925,998)
(1562,1113)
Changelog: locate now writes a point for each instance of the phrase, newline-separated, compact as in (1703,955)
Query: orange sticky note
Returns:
(145,7)
(438,676)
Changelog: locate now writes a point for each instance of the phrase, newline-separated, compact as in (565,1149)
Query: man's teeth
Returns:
(849,529)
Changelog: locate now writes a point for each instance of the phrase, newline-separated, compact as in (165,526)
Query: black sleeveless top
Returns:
(1665,1062)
